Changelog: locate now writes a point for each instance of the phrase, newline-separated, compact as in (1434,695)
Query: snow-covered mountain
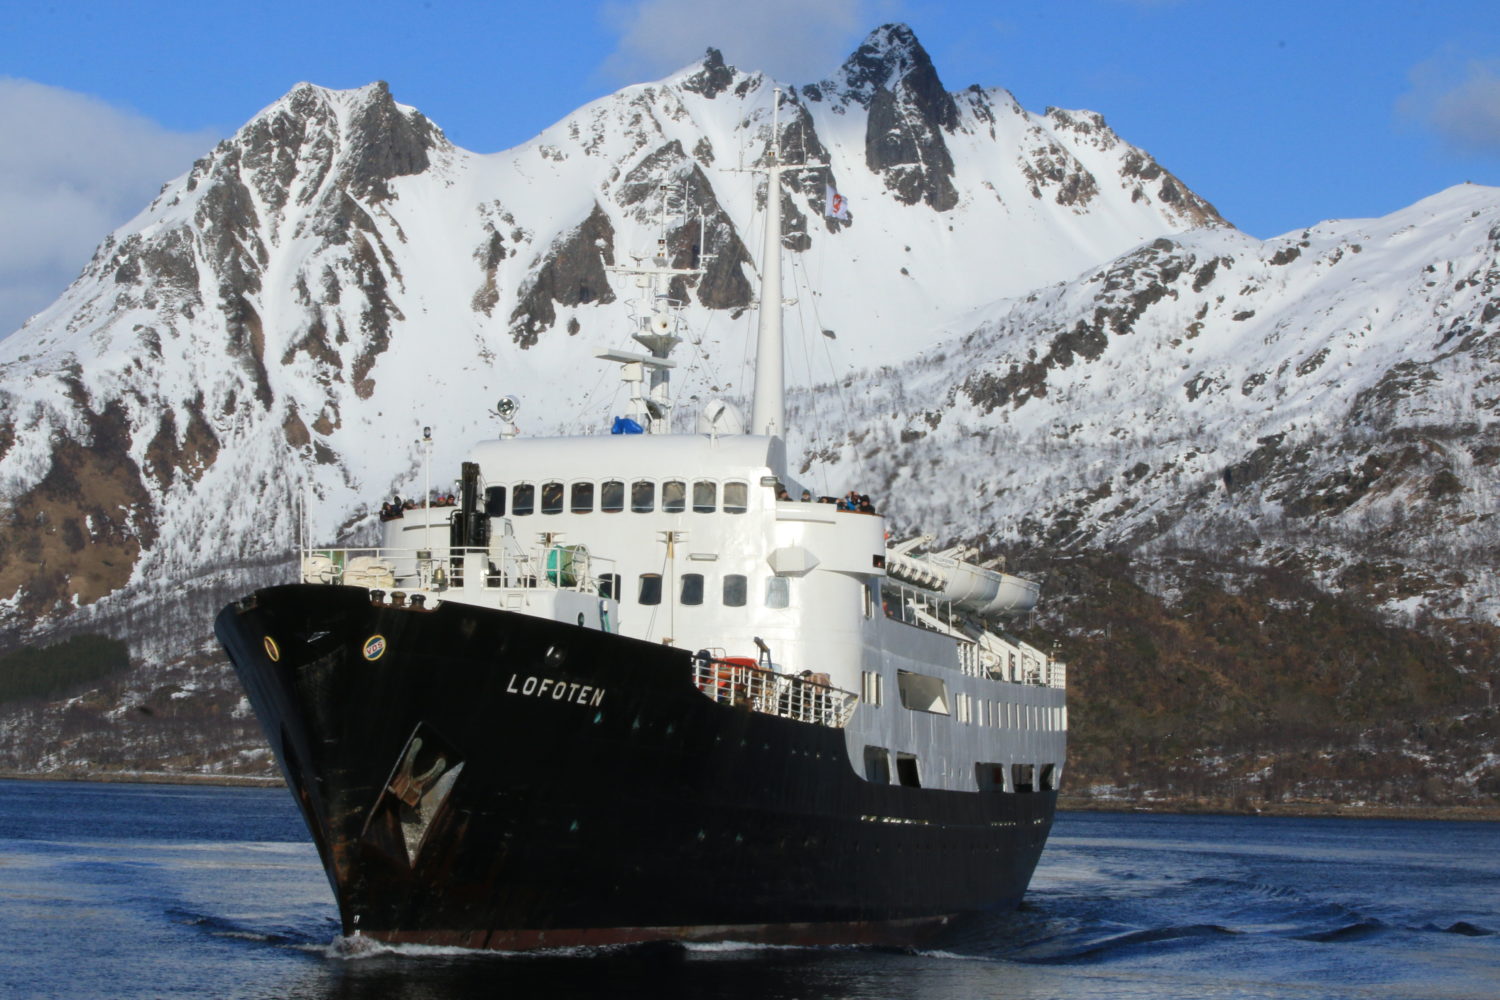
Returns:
(1327,398)
(281,319)
(1029,336)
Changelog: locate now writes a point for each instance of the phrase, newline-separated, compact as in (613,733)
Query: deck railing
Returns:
(785,695)
(555,567)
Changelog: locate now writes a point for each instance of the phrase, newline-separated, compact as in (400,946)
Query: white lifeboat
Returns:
(973,588)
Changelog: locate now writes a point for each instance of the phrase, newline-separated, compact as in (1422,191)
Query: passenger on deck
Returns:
(806,497)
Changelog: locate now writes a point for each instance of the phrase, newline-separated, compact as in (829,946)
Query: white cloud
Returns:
(72,168)
(794,41)
(1459,100)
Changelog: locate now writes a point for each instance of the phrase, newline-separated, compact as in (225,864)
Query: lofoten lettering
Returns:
(572,692)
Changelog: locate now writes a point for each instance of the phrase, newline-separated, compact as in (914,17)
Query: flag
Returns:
(836,206)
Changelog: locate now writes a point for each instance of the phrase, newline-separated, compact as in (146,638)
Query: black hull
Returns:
(628,808)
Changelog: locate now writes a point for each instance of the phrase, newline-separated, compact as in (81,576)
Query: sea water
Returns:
(126,891)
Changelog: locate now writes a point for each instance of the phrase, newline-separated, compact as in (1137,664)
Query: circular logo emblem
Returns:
(272,650)
(374,647)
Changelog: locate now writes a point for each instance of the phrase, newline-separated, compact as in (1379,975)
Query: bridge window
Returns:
(878,765)
(612,496)
(736,590)
(523,499)
(650,592)
(552,498)
(736,498)
(609,586)
(583,498)
(692,588)
(643,496)
(922,693)
(778,592)
(705,496)
(494,501)
(674,496)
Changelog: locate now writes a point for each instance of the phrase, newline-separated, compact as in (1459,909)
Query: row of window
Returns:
(734,589)
(1008,715)
(611,495)
(923,693)
(988,777)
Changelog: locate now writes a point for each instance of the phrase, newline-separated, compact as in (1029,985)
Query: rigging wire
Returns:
(799,267)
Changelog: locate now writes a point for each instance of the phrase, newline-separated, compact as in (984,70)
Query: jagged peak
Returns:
(888,54)
(891,59)
(1078,120)
(380,138)
(709,77)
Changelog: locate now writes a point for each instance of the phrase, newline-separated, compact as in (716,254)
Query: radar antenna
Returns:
(657,319)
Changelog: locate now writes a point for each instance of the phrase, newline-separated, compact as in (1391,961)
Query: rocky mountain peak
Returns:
(892,76)
(891,59)
(712,78)
(387,141)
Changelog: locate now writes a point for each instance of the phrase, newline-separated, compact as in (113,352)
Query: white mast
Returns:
(768,411)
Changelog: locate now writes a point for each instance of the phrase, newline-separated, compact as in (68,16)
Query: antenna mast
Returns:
(657,320)
(768,412)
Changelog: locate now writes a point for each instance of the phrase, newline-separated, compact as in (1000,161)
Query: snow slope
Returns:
(1059,342)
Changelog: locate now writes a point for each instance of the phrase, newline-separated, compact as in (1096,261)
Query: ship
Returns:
(642,685)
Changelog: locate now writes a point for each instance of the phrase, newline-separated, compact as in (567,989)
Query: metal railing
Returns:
(784,695)
(443,569)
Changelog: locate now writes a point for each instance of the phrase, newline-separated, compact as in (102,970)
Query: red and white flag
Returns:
(836,206)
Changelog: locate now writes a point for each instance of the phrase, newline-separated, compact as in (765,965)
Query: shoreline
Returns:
(1301,809)
(147,778)
(1065,802)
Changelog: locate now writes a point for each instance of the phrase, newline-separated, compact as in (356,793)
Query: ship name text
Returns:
(546,687)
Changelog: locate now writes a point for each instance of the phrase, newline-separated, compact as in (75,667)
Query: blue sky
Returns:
(1280,113)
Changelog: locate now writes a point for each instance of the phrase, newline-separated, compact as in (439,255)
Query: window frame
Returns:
(636,507)
(743,489)
(586,486)
(516,509)
(545,503)
(713,496)
(604,492)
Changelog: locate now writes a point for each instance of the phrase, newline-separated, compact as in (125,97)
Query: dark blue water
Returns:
(127,891)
